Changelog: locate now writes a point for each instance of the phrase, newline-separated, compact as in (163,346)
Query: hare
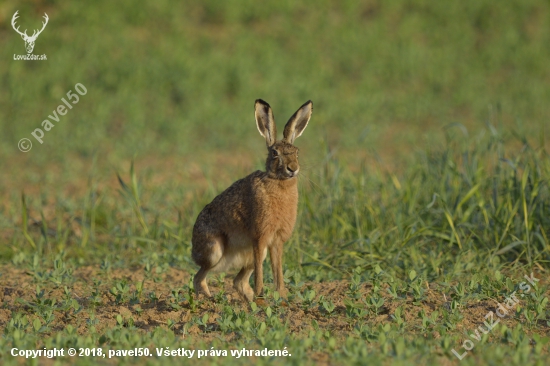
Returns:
(254,214)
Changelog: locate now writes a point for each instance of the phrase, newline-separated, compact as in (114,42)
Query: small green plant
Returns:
(294,279)
(397,316)
(203,321)
(355,284)
(326,305)
(135,298)
(171,324)
(175,299)
(120,291)
(428,322)
(459,292)
(189,296)
(374,303)
(153,297)
(307,298)
(415,287)
(220,297)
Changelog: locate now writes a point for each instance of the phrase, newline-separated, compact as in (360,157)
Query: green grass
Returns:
(464,220)
(424,193)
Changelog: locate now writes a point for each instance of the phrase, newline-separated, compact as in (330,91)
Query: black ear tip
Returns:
(309,102)
(262,102)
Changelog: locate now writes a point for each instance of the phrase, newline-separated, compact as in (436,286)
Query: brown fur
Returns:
(255,214)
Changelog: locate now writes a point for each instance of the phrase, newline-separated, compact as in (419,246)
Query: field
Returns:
(424,212)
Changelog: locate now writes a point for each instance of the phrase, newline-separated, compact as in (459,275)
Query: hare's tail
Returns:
(207,252)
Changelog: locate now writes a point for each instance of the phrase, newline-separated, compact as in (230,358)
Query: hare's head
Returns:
(282,156)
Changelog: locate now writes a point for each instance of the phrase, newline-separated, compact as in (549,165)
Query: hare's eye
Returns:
(275,153)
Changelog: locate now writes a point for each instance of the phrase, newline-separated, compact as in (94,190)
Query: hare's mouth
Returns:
(291,174)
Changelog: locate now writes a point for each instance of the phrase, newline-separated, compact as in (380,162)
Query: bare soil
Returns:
(17,284)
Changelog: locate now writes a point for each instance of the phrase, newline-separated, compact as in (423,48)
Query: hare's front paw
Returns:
(249,295)
(283,292)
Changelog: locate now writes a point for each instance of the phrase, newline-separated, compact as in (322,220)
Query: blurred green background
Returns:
(175,78)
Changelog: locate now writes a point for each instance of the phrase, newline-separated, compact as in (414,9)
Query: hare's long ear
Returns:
(265,122)
(298,122)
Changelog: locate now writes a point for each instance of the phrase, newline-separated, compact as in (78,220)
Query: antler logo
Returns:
(29,41)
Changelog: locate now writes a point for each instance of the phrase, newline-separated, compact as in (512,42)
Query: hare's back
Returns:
(232,209)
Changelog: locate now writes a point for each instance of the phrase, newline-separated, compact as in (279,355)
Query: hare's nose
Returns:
(292,170)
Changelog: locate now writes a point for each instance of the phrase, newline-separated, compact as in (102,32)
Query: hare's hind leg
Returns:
(242,285)
(200,282)
(207,255)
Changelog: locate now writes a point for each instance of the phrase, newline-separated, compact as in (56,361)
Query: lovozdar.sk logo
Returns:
(29,40)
